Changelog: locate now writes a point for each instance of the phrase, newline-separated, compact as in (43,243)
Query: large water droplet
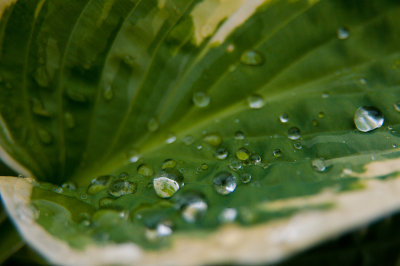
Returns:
(69,120)
(201,99)
(224,183)
(167,183)
(108,93)
(294,133)
(319,165)
(255,101)
(121,187)
(152,125)
(252,58)
(145,170)
(343,33)
(243,154)
(368,118)
(284,118)
(194,208)
(221,154)
(99,183)
(45,136)
(213,139)
(228,215)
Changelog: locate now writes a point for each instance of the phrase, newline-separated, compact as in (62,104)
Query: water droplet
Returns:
(123,176)
(69,186)
(133,156)
(194,208)
(319,165)
(284,118)
(221,153)
(230,48)
(69,120)
(45,136)
(368,118)
(239,135)
(188,140)
(76,96)
(129,60)
(255,101)
(315,123)
(213,139)
(169,163)
(167,183)
(298,145)
(201,99)
(106,202)
(396,106)
(99,183)
(224,183)
(120,188)
(152,125)
(243,154)
(228,215)
(255,159)
(204,166)
(277,153)
(235,164)
(108,93)
(343,33)
(294,133)
(164,229)
(321,115)
(252,58)
(171,139)
(38,108)
(363,81)
(145,170)
(245,178)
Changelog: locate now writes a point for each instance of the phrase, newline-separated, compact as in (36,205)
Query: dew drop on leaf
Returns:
(252,58)
(201,99)
(245,178)
(194,208)
(224,183)
(108,93)
(188,140)
(298,145)
(368,118)
(169,163)
(213,139)
(106,202)
(319,165)
(284,118)
(228,215)
(230,48)
(171,139)
(204,166)
(277,153)
(69,120)
(45,136)
(99,183)
(235,165)
(255,101)
(321,115)
(221,153)
(243,154)
(239,135)
(121,187)
(396,106)
(294,133)
(167,183)
(343,33)
(69,186)
(145,170)
(76,96)
(255,159)
(152,125)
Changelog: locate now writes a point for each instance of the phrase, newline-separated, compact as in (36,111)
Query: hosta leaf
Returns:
(139,118)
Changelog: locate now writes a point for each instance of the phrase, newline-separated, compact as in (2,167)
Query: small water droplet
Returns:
(201,99)
(76,96)
(188,140)
(213,139)
(169,163)
(321,115)
(224,183)
(294,133)
(255,159)
(167,183)
(129,60)
(108,92)
(171,139)
(204,166)
(235,164)
(99,183)
(106,202)
(243,154)
(152,125)
(45,136)
(284,118)
(315,123)
(133,156)
(145,170)
(368,118)
(69,186)
(221,153)
(194,208)
(245,178)
(230,48)
(395,146)
(69,120)
(325,95)
(121,187)
(255,101)
(123,176)
(396,106)
(252,58)
(239,135)
(298,145)
(343,33)
(228,215)
(319,165)
(38,108)
(277,153)
(363,81)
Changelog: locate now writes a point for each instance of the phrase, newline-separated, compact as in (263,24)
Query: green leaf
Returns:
(132,115)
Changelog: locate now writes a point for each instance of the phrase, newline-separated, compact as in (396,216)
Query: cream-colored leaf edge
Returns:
(267,243)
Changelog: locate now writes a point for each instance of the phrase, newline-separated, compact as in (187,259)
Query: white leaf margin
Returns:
(266,243)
